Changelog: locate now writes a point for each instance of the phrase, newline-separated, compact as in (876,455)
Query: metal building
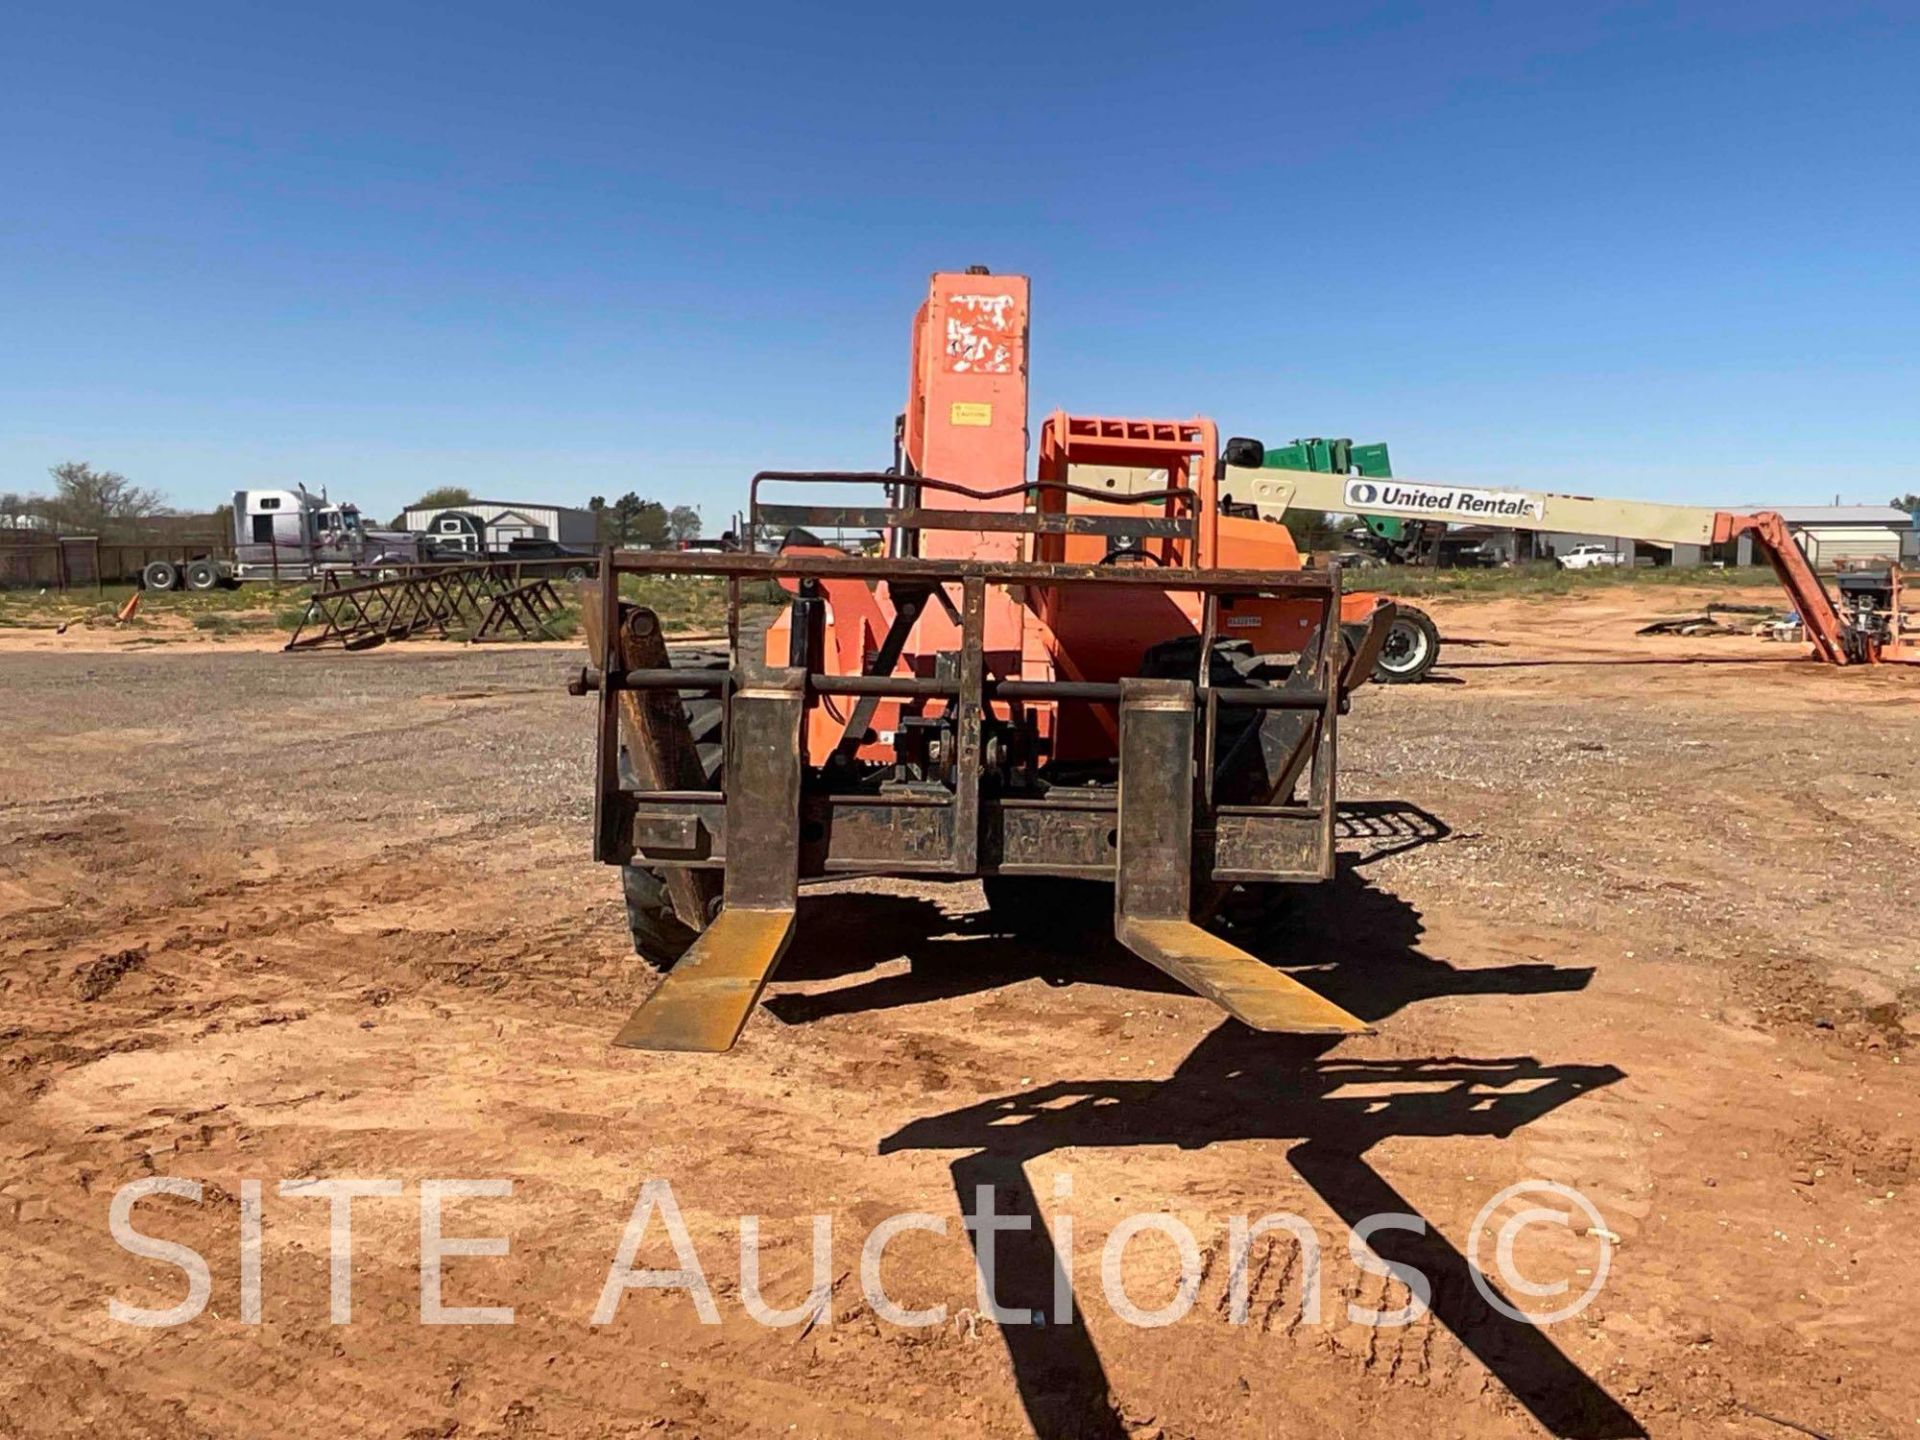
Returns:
(491,525)
(1832,533)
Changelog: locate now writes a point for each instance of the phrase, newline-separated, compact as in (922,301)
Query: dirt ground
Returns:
(1632,915)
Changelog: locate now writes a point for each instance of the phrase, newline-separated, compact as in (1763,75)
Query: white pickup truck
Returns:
(1590,557)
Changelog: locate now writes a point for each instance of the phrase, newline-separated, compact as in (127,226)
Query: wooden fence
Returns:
(62,563)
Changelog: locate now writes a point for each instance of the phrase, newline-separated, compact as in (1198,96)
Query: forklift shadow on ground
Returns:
(1350,941)
(1242,1085)
(1356,944)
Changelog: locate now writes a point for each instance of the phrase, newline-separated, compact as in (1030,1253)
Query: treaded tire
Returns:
(1249,914)
(660,937)
(1412,648)
(202,575)
(160,575)
(1231,664)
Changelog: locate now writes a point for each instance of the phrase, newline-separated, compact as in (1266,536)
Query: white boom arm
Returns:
(1834,635)
(1274,492)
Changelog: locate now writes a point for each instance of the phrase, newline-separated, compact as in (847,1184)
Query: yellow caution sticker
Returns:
(970,412)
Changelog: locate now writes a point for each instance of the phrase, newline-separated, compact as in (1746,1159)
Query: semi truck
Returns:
(292,535)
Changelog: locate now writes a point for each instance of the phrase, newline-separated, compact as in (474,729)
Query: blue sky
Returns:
(549,251)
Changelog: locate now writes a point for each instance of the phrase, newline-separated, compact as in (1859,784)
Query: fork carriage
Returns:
(939,757)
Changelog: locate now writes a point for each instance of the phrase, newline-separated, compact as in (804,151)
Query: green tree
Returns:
(445,497)
(683,523)
(620,518)
(630,522)
(650,528)
(1908,502)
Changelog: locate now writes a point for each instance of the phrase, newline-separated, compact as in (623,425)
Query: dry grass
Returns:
(248,608)
(1548,581)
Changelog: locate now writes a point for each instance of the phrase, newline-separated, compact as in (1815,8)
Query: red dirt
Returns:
(268,917)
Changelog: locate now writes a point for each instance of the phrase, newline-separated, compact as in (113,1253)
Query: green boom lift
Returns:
(1388,536)
(1413,644)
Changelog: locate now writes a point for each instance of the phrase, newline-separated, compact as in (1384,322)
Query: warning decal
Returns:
(983,334)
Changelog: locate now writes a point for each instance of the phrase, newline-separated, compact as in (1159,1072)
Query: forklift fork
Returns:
(705,1000)
(1153,875)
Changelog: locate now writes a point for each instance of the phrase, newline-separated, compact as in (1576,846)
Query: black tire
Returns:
(160,575)
(203,575)
(575,574)
(1232,664)
(1412,648)
(660,936)
(1250,913)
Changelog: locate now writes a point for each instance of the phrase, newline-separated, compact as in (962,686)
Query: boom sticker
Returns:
(1452,502)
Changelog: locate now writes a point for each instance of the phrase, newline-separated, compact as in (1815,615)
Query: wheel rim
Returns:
(1406,648)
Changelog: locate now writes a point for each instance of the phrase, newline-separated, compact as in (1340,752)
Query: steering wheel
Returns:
(1130,554)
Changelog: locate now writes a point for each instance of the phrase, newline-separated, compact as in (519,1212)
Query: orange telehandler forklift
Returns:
(1090,676)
